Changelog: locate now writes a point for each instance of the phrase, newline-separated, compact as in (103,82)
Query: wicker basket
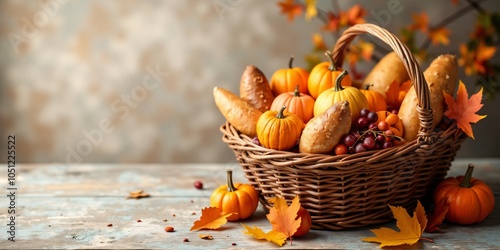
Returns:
(351,191)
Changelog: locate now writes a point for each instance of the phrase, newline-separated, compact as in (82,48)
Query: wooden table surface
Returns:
(61,206)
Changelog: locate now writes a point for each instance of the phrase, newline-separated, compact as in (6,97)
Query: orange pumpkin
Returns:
(376,101)
(470,200)
(297,103)
(356,99)
(240,199)
(323,77)
(285,80)
(393,121)
(279,130)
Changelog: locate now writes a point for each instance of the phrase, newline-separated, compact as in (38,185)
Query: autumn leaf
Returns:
(410,228)
(319,43)
(311,10)
(355,15)
(396,93)
(360,50)
(420,22)
(211,218)
(290,8)
(463,110)
(332,22)
(283,217)
(273,236)
(439,36)
(475,60)
(206,236)
(437,217)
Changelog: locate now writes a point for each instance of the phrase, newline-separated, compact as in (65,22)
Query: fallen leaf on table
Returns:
(411,228)
(272,236)
(437,216)
(463,110)
(211,218)
(283,217)
(206,236)
(137,194)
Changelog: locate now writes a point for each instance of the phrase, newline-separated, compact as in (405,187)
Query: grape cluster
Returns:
(368,133)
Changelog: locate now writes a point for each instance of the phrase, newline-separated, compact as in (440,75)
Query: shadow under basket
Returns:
(352,191)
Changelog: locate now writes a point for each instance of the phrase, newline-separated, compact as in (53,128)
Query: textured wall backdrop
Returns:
(131,81)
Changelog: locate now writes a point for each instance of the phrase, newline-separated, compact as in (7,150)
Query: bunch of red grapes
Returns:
(368,133)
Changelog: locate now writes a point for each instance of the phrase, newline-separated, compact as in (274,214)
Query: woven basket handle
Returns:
(414,72)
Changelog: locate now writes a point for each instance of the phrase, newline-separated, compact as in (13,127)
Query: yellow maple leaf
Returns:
(466,60)
(420,22)
(463,110)
(211,218)
(283,217)
(439,36)
(410,228)
(311,10)
(273,236)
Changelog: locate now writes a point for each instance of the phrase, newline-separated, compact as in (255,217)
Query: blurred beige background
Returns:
(131,81)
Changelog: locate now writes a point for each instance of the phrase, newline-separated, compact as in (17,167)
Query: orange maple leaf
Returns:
(355,15)
(411,228)
(437,217)
(283,217)
(211,218)
(290,8)
(439,36)
(273,236)
(420,22)
(397,92)
(463,110)
(475,61)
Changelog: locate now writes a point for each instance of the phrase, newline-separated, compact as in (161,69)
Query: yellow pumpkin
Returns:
(285,80)
(323,75)
(297,103)
(356,99)
(240,199)
(376,101)
(279,130)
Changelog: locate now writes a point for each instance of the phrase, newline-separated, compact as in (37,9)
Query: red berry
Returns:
(383,125)
(341,149)
(198,185)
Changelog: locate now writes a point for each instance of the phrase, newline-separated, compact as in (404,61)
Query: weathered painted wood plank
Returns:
(71,208)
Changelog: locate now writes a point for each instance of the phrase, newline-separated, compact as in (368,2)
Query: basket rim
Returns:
(239,141)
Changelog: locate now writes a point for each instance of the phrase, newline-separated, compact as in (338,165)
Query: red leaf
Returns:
(437,216)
